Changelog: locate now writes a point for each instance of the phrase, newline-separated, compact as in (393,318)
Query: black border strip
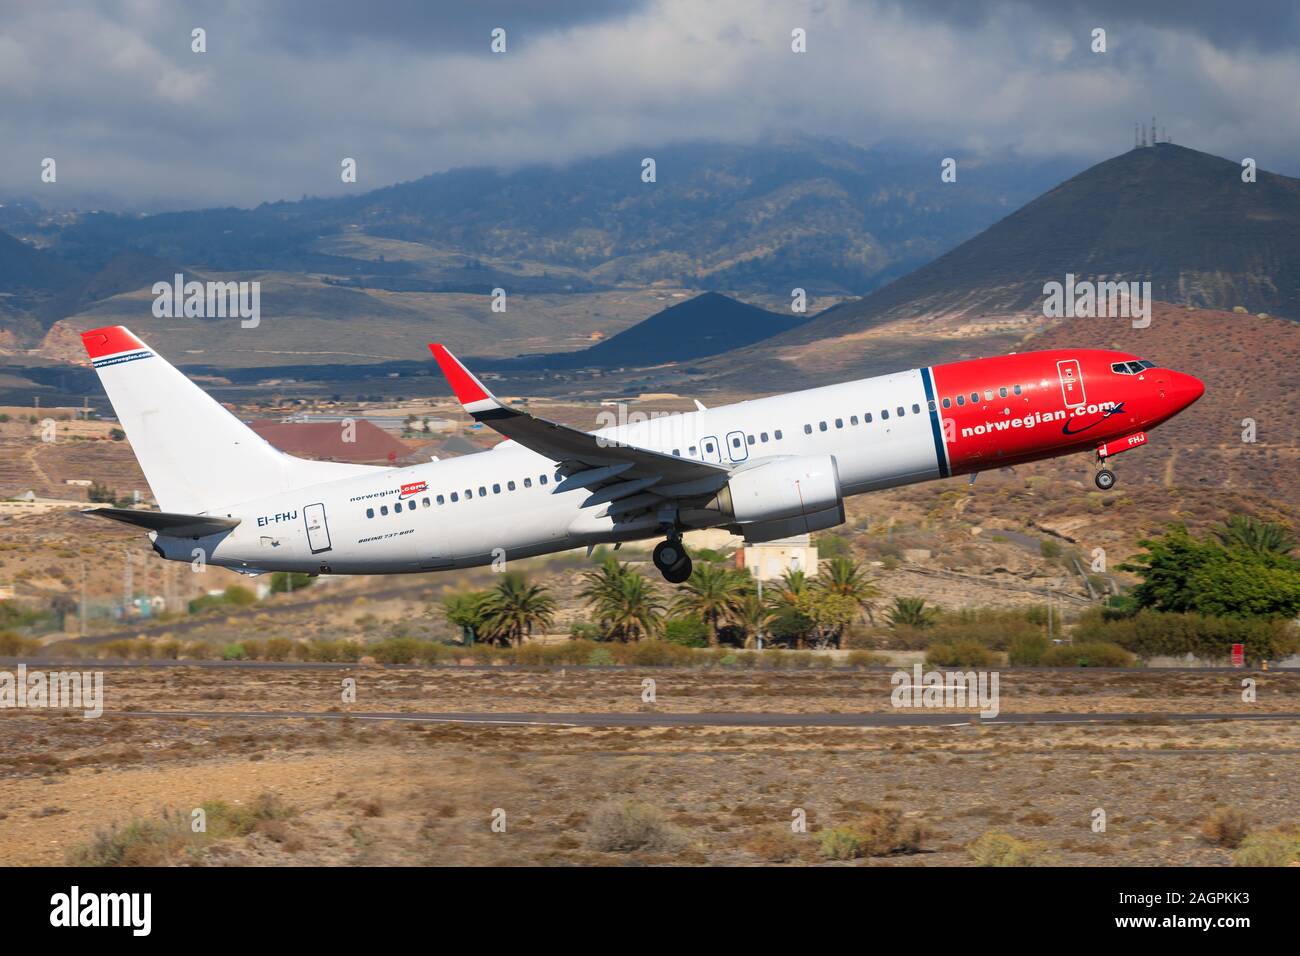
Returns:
(936,426)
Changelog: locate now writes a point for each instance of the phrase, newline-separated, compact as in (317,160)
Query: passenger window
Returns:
(867,418)
(528,482)
(1002,392)
(735,442)
(932,406)
(988,394)
(482,491)
(542,479)
(974,398)
(821,426)
(839,423)
(383,509)
(691,451)
(410,505)
(961,399)
(708,446)
(777,434)
(510,486)
(677,453)
(884,414)
(807,429)
(762,437)
(853,419)
(749,439)
(455,496)
(370,512)
(900,411)
(442,500)
(496,489)
(427,502)
(1015,389)
(469,493)
(947,403)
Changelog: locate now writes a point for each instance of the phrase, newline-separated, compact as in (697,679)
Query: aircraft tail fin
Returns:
(196,455)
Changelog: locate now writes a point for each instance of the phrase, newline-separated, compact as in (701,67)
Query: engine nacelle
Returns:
(784,497)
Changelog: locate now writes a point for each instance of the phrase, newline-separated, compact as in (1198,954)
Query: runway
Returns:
(902,718)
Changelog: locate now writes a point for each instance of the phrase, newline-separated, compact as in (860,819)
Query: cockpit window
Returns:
(1120,368)
(1135,367)
(1145,364)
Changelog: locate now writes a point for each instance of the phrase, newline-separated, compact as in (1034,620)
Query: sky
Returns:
(287,90)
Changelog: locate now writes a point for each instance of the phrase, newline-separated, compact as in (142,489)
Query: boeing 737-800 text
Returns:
(765,469)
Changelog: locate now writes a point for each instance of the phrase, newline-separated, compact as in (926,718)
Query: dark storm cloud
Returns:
(287,90)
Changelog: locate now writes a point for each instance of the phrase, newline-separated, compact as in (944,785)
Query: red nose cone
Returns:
(1187,388)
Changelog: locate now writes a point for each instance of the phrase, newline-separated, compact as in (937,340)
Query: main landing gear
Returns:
(672,560)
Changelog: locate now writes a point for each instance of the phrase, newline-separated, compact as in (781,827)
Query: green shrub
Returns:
(882,832)
(1269,848)
(1002,849)
(1152,633)
(600,657)
(15,645)
(1086,654)
(279,648)
(1027,649)
(234,652)
(687,630)
(961,653)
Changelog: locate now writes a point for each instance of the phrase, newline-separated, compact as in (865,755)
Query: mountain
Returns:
(704,325)
(35,288)
(1181,219)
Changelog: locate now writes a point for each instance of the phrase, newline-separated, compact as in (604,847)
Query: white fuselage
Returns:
(508,502)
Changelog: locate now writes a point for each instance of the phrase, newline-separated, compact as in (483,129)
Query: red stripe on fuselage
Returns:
(1039,404)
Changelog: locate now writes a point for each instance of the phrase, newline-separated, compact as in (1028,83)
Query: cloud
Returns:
(287,90)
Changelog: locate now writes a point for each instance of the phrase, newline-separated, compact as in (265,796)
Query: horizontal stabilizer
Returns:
(164,522)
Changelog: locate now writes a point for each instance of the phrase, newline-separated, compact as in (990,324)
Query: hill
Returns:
(704,325)
(1180,219)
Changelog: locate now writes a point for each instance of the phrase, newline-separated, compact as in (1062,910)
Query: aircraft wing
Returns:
(669,474)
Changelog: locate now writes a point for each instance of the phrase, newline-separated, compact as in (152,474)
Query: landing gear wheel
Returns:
(672,560)
(679,573)
(1105,479)
(668,554)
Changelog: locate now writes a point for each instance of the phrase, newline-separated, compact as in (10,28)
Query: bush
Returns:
(877,833)
(1225,827)
(779,845)
(1151,633)
(1027,649)
(1269,848)
(279,648)
(1086,654)
(1002,849)
(620,826)
(688,631)
(961,653)
(600,657)
(198,651)
(234,652)
(863,659)
(161,842)
(15,645)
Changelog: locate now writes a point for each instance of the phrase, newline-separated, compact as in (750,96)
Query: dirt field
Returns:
(357,792)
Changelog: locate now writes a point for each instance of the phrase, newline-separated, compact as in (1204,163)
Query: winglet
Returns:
(109,341)
(470,392)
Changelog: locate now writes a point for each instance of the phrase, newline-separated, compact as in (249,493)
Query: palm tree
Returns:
(910,612)
(514,607)
(712,593)
(751,614)
(1262,537)
(623,599)
(845,577)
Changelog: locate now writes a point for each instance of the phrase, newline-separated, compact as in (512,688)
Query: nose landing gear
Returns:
(1105,479)
(672,560)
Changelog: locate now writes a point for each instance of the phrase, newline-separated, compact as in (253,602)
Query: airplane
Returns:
(764,469)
